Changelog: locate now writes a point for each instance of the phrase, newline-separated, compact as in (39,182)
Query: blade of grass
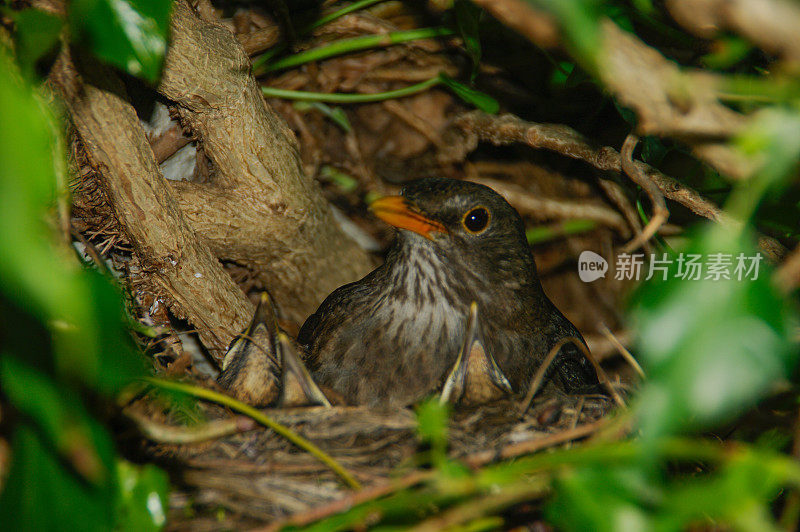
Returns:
(481,101)
(355,6)
(355,44)
(539,234)
(233,404)
(279,49)
(304,96)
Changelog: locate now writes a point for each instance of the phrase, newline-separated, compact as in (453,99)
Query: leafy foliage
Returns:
(711,348)
(64,335)
(130,34)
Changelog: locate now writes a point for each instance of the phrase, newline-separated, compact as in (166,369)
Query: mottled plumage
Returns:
(392,337)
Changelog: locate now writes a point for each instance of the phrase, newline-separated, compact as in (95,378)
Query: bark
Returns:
(259,209)
(183,267)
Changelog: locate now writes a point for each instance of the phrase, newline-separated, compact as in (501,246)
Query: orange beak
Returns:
(397,211)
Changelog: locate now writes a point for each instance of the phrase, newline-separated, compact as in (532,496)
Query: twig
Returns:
(474,460)
(622,349)
(489,503)
(414,121)
(514,450)
(102,267)
(667,99)
(266,57)
(660,211)
(541,372)
(616,194)
(546,208)
(538,378)
(509,129)
(345,503)
(603,376)
(574,423)
(242,408)
(179,435)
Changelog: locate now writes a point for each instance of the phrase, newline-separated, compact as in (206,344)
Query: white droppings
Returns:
(198,275)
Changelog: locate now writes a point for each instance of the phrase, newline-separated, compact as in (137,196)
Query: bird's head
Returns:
(465,221)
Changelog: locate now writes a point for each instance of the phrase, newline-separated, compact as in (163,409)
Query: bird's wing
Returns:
(576,373)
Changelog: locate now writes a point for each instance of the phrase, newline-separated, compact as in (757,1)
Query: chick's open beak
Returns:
(399,212)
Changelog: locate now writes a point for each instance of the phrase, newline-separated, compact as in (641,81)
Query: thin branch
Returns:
(342,505)
(538,378)
(668,100)
(602,376)
(180,435)
(660,211)
(619,198)
(549,208)
(474,460)
(509,129)
(514,450)
(622,349)
(91,250)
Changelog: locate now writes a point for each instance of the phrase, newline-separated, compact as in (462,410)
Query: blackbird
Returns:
(457,303)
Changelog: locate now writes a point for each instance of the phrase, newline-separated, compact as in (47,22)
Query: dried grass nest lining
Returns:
(262,477)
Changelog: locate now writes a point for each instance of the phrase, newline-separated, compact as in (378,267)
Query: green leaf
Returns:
(711,348)
(626,113)
(143,502)
(37,33)
(738,495)
(56,411)
(773,139)
(481,100)
(130,34)
(432,420)
(645,6)
(468,17)
(336,114)
(727,51)
(540,234)
(603,499)
(620,15)
(118,360)
(40,493)
(345,182)
(432,427)
(81,310)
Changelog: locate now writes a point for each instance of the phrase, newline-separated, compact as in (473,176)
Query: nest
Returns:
(260,477)
(194,296)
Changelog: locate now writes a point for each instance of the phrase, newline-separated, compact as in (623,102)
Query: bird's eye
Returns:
(476,220)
